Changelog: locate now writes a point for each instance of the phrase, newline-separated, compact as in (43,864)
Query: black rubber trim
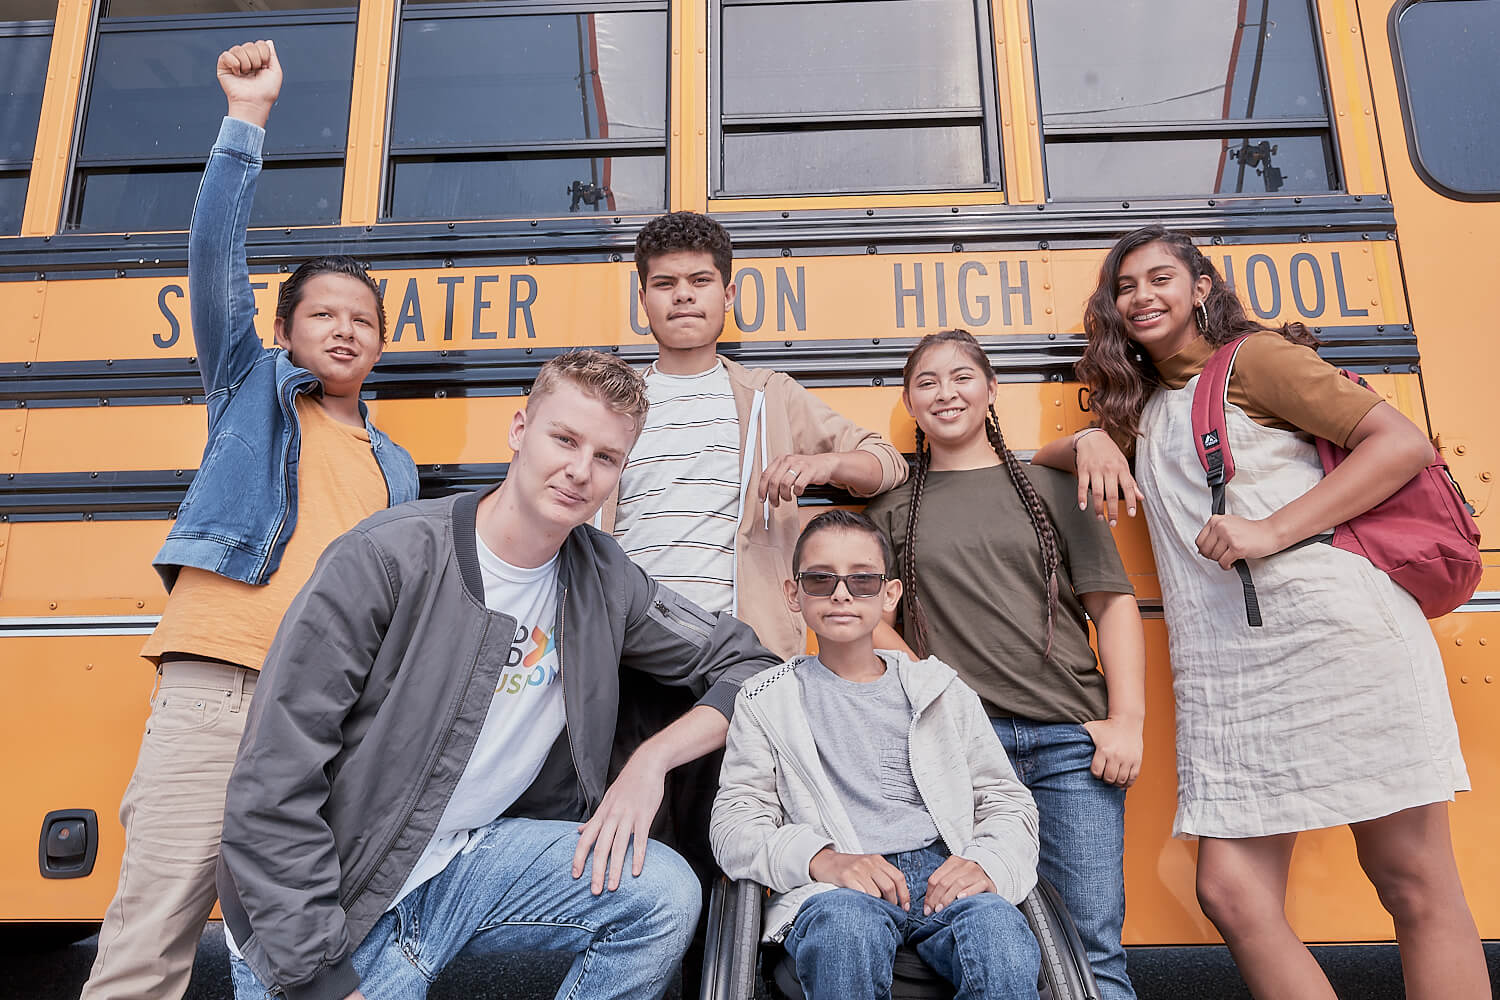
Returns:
(157,493)
(510,372)
(800,233)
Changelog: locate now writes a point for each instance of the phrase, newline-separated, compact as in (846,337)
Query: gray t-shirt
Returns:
(860,729)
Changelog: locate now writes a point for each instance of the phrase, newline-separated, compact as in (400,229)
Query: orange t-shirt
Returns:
(339,484)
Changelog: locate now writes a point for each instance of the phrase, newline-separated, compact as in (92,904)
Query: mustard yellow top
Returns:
(1280,384)
(338,485)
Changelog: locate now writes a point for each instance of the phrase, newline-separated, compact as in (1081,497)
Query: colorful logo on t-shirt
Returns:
(542,645)
(535,651)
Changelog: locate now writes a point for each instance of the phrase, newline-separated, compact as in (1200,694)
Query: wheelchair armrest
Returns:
(732,941)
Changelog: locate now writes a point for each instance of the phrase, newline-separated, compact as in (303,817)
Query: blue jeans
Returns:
(513,889)
(1082,837)
(844,942)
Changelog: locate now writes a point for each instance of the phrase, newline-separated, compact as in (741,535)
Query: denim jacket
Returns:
(241,508)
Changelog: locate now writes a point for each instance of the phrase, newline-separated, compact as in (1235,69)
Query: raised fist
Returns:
(251,77)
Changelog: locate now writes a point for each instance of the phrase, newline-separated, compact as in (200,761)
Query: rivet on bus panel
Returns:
(1464,679)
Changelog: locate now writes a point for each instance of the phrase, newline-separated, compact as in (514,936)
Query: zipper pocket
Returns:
(673,613)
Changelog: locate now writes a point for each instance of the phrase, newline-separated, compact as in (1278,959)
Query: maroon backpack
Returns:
(1423,536)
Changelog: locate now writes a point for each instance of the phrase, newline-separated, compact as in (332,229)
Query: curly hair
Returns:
(604,376)
(684,231)
(1041,524)
(294,287)
(1119,375)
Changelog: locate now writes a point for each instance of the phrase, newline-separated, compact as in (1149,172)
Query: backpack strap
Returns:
(1211,439)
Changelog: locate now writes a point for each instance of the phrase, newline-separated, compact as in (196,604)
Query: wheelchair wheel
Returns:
(1065,974)
(733,947)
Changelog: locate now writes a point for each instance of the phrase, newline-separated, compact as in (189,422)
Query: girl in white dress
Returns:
(1336,710)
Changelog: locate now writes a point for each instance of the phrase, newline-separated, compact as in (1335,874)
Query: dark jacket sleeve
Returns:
(673,640)
(276,846)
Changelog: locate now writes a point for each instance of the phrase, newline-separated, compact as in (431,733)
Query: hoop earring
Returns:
(1200,313)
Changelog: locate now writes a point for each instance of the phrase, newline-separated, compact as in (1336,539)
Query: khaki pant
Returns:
(172,811)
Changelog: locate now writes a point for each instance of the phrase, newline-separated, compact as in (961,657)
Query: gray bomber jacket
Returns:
(325,818)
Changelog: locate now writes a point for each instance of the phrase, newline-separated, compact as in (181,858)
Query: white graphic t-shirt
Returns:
(525,717)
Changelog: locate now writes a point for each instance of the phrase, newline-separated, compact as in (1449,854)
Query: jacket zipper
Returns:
(562,619)
(286,482)
(911,734)
(691,623)
(348,901)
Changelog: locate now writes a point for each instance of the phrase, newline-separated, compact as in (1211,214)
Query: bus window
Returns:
(25,44)
(1156,98)
(1450,93)
(153,109)
(535,110)
(854,96)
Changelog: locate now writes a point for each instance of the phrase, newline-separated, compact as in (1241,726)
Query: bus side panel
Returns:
(71,721)
(1447,260)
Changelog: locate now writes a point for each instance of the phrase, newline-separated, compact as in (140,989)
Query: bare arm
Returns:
(1386,451)
(1118,743)
(1101,467)
(630,803)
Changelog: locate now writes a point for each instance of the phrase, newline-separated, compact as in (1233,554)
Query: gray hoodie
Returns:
(776,807)
(370,703)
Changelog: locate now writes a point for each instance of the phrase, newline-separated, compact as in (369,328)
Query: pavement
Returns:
(32,968)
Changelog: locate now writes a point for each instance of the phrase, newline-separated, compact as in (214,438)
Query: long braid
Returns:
(911,605)
(1046,536)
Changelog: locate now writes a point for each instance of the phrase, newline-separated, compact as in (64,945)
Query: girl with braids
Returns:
(999,566)
(1335,710)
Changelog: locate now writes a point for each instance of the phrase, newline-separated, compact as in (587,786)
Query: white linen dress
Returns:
(1336,710)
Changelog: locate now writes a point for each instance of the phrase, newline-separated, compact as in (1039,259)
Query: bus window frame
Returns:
(988,117)
(22,167)
(1413,146)
(476,9)
(1221,128)
(251,21)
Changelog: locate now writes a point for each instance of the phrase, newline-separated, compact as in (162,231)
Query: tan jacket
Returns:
(777,807)
(779,417)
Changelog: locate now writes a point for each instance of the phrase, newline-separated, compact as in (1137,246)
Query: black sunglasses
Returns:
(858,584)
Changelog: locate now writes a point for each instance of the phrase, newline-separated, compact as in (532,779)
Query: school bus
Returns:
(887,168)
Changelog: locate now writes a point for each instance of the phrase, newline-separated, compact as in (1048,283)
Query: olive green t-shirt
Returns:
(979,574)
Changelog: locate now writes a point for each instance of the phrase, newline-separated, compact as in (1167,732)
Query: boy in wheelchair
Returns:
(870,793)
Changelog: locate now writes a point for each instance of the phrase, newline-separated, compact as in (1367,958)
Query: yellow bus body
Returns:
(833,288)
